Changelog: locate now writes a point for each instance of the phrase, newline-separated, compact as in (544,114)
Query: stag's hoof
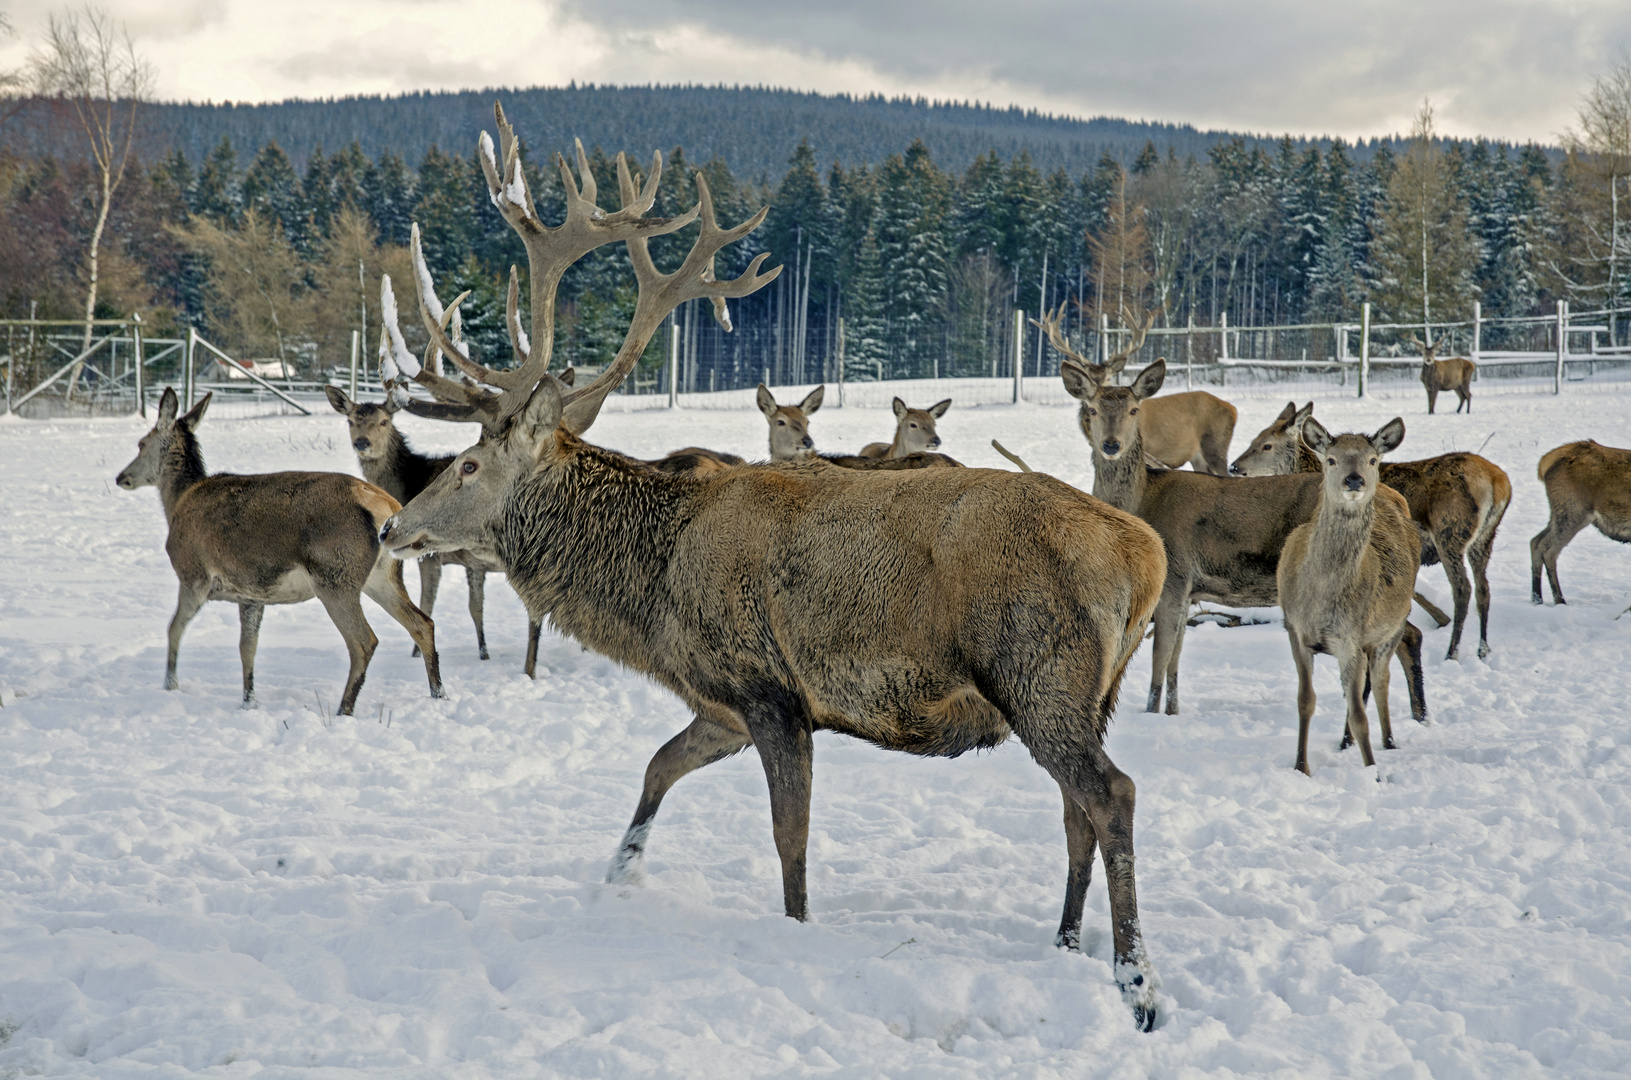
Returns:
(1069,940)
(628,865)
(1536,600)
(170,683)
(437,692)
(1453,654)
(1137,984)
(1483,649)
(1389,744)
(1153,702)
(484,652)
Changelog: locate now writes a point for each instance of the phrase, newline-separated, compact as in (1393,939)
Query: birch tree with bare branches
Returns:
(1600,152)
(89,63)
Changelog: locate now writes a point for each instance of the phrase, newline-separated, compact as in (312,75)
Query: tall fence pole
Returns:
(1477,330)
(1223,346)
(1104,337)
(1562,344)
(1364,348)
(187,365)
(141,373)
(1019,355)
(840,361)
(1189,354)
(356,352)
(674,361)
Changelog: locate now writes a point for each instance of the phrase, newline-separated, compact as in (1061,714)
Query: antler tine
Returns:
(1140,330)
(463,402)
(1050,325)
(438,322)
(512,319)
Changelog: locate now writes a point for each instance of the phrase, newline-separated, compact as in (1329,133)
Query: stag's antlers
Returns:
(550,251)
(1050,324)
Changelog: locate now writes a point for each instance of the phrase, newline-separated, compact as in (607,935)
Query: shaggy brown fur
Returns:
(931,611)
(1345,579)
(1456,500)
(1587,483)
(274,538)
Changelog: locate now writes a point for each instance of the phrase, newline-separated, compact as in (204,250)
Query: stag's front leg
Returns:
(781,734)
(476,578)
(702,743)
(1168,621)
(1080,844)
(534,628)
(189,598)
(249,634)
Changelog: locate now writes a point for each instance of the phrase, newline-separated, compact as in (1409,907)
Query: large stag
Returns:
(778,600)
(1455,374)
(1456,500)
(1223,535)
(1587,483)
(1192,426)
(1345,579)
(273,538)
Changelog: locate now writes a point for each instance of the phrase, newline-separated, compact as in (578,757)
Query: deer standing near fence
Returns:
(273,538)
(778,600)
(1223,535)
(1345,579)
(1456,501)
(389,463)
(914,431)
(1192,426)
(1454,374)
(1587,483)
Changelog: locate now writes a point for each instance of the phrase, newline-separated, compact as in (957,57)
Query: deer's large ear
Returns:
(1301,416)
(938,409)
(900,408)
(1114,365)
(568,376)
(1149,381)
(767,402)
(1081,383)
(196,413)
(1315,435)
(336,397)
(812,400)
(1389,437)
(1287,413)
(539,417)
(168,404)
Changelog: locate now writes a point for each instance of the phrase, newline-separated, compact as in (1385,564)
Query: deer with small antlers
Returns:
(782,599)
(273,538)
(1587,483)
(1223,535)
(1345,579)
(1192,426)
(1455,374)
(1456,500)
(914,431)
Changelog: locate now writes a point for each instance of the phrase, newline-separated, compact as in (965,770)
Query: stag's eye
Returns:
(1132,412)
(781,423)
(1330,461)
(1092,412)
(1268,446)
(1373,461)
(469,468)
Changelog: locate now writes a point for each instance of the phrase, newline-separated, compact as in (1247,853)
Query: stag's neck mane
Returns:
(587,541)
(1121,482)
(183,467)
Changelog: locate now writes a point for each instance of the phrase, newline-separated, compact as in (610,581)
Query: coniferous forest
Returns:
(238,220)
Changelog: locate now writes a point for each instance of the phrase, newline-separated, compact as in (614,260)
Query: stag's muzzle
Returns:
(1110,447)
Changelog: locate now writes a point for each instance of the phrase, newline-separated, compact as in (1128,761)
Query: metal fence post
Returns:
(1364,348)
(141,380)
(356,352)
(1019,354)
(1562,344)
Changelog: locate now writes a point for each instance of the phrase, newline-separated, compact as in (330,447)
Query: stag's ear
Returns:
(1149,381)
(1389,437)
(812,400)
(336,397)
(538,417)
(1287,413)
(767,401)
(568,377)
(1082,383)
(900,408)
(1315,435)
(938,409)
(168,404)
(196,414)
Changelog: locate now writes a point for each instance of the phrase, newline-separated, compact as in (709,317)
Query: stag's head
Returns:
(1352,462)
(528,415)
(1273,452)
(789,424)
(914,428)
(170,442)
(1109,414)
(372,426)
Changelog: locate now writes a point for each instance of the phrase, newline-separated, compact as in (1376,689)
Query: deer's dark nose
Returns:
(1111,448)
(1236,470)
(1354,482)
(808,442)
(360,444)
(124,482)
(385,533)
(934,443)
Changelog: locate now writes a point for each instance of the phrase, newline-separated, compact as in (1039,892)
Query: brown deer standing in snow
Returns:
(914,431)
(1223,535)
(1456,500)
(778,600)
(1345,579)
(1453,374)
(1587,483)
(273,538)
(1192,426)
(388,462)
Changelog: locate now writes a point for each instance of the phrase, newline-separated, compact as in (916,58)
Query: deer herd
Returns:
(891,595)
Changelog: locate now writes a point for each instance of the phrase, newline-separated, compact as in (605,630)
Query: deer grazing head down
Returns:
(789,424)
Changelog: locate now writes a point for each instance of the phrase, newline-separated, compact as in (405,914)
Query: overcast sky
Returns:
(1512,69)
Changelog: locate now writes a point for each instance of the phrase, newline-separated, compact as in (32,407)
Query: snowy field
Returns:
(187,888)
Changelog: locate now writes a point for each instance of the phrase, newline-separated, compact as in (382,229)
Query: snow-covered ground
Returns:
(188,888)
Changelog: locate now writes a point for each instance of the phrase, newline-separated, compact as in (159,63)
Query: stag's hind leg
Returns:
(1547,545)
(534,628)
(1353,683)
(702,743)
(1170,615)
(1408,650)
(384,587)
(780,727)
(477,580)
(249,635)
(189,598)
(1080,843)
(1478,553)
(1452,544)
(1379,674)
